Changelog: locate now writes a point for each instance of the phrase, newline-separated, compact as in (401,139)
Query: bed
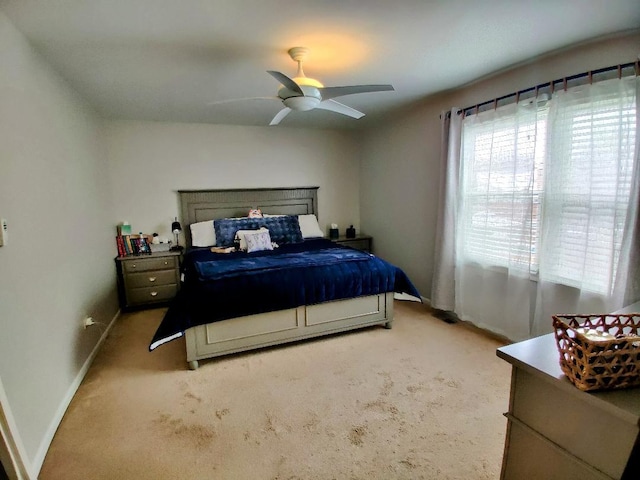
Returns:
(201,309)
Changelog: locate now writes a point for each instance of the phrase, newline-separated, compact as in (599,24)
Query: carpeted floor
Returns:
(421,401)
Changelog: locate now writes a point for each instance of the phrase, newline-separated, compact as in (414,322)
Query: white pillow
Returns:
(203,234)
(258,240)
(309,226)
(241,234)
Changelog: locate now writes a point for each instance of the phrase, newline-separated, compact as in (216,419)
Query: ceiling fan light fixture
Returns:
(301,104)
(307,82)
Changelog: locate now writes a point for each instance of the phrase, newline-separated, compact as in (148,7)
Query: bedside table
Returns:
(148,280)
(360,242)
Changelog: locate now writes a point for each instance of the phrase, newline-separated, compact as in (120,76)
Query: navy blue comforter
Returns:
(222,286)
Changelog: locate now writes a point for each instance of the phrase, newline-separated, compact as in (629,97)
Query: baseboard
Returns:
(12,451)
(55,422)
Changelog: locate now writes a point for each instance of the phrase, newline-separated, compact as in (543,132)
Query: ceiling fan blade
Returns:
(286,81)
(338,107)
(280,115)
(219,102)
(333,92)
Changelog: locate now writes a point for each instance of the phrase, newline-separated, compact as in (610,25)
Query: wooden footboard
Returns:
(273,328)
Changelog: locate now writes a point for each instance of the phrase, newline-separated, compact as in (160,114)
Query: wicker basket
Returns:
(599,352)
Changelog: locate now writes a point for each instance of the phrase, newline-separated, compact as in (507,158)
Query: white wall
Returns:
(150,161)
(57,266)
(400,162)
(398,191)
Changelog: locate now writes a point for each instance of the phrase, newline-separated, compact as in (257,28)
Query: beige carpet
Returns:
(421,401)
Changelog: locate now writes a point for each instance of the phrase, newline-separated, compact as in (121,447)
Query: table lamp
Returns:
(176,229)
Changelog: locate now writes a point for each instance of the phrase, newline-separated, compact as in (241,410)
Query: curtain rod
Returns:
(473,109)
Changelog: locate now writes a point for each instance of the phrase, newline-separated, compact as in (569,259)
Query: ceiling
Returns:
(165,60)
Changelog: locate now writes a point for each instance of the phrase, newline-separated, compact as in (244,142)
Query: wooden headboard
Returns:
(203,205)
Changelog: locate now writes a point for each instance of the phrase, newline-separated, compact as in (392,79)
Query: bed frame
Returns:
(283,326)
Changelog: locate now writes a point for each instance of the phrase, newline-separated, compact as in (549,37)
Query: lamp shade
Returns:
(175,226)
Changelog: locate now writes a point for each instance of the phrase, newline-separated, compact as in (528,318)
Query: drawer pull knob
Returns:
(133,265)
(152,279)
(153,294)
(166,263)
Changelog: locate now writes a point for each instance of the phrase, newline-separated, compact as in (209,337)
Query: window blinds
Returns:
(503,153)
(589,169)
(545,187)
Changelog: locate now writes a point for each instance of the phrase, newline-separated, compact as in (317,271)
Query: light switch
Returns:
(3,232)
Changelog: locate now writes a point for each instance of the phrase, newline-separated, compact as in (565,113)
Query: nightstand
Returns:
(360,242)
(148,280)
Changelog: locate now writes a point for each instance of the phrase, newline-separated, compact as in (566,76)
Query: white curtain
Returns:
(443,285)
(544,218)
(497,220)
(590,203)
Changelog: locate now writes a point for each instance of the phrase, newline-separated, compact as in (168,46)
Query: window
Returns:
(545,188)
(590,166)
(502,183)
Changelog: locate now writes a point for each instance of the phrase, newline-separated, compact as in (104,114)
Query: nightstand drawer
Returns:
(357,244)
(558,416)
(145,264)
(531,456)
(152,278)
(160,293)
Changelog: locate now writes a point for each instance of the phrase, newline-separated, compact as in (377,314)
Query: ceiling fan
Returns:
(302,93)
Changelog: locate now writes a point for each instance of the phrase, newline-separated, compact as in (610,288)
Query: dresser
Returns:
(359,242)
(148,280)
(555,431)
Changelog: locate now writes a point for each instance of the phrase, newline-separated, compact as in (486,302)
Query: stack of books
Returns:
(133,244)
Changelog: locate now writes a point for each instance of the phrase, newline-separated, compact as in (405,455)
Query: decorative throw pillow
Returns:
(255,213)
(285,229)
(226,228)
(241,235)
(203,234)
(258,241)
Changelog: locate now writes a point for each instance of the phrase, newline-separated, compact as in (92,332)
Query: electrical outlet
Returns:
(3,232)
(88,322)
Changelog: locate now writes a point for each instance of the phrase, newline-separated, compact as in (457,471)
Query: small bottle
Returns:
(144,248)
